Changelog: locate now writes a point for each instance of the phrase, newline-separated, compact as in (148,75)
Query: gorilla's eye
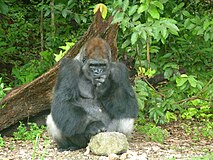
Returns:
(84,59)
(97,68)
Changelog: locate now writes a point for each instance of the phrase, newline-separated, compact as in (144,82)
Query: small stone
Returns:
(113,157)
(124,156)
(103,158)
(107,143)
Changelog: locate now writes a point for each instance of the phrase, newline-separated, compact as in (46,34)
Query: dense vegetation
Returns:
(165,38)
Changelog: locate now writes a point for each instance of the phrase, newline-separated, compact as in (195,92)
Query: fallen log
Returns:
(35,97)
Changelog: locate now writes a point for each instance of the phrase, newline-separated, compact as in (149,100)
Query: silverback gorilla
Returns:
(92,94)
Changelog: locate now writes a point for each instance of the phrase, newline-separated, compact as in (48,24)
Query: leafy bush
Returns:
(24,134)
(199,130)
(34,68)
(168,45)
(3,89)
(2,143)
(65,50)
(152,132)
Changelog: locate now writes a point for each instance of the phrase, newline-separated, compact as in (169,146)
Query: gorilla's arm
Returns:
(65,111)
(120,100)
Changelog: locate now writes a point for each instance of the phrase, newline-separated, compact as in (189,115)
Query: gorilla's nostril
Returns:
(97,71)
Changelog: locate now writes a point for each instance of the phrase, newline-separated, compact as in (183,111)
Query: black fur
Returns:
(80,109)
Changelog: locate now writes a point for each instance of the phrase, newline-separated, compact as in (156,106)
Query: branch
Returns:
(198,94)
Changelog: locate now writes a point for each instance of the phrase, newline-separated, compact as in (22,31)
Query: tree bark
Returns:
(35,97)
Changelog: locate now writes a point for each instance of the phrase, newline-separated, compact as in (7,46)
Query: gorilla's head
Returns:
(95,56)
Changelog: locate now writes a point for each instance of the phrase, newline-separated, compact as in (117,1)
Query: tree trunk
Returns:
(35,97)
(42,27)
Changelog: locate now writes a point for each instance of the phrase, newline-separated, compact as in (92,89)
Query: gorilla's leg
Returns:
(63,142)
(124,125)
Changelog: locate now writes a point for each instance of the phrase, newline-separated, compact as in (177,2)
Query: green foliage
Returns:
(142,23)
(3,89)
(32,69)
(2,143)
(204,157)
(142,93)
(188,84)
(152,132)
(3,7)
(40,154)
(202,113)
(24,134)
(196,131)
(65,49)
(167,45)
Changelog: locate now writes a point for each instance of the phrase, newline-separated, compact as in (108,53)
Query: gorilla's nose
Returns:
(97,71)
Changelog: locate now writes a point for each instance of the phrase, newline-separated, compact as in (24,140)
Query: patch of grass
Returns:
(152,132)
(2,143)
(38,153)
(24,134)
(206,157)
(197,131)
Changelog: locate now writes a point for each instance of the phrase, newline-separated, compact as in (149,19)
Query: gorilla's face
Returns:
(95,56)
(96,70)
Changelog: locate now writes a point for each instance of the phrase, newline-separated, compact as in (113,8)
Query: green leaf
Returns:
(158,4)
(126,43)
(167,55)
(170,65)
(154,12)
(132,10)
(156,32)
(184,75)
(3,8)
(206,24)
(64,13)
(136,17)
(173,28)
(140,103)
(180,81)
(192,81)
(168,73)
(118,17)
(134,37)
(142,8)
(144,34)
(77,18)
(125,5)
(186,13)
(200,31)
(125,23)
(164,32)
(47,13)
(178,7)
(206,36)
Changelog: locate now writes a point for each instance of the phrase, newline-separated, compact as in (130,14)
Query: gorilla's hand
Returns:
(95,128)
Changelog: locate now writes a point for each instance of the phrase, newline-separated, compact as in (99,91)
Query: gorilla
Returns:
(92,94)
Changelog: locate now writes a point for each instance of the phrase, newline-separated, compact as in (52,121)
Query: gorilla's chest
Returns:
(90,103)
(87,90)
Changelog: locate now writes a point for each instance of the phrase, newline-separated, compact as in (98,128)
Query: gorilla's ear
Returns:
(81,54)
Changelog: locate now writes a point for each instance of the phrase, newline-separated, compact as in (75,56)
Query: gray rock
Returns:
(107,143)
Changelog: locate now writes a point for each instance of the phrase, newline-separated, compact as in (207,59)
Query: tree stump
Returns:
(34,98)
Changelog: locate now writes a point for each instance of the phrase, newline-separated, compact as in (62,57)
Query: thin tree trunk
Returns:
(52,18)
(42,28)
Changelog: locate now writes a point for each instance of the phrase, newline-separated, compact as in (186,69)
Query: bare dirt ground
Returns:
(177,146)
